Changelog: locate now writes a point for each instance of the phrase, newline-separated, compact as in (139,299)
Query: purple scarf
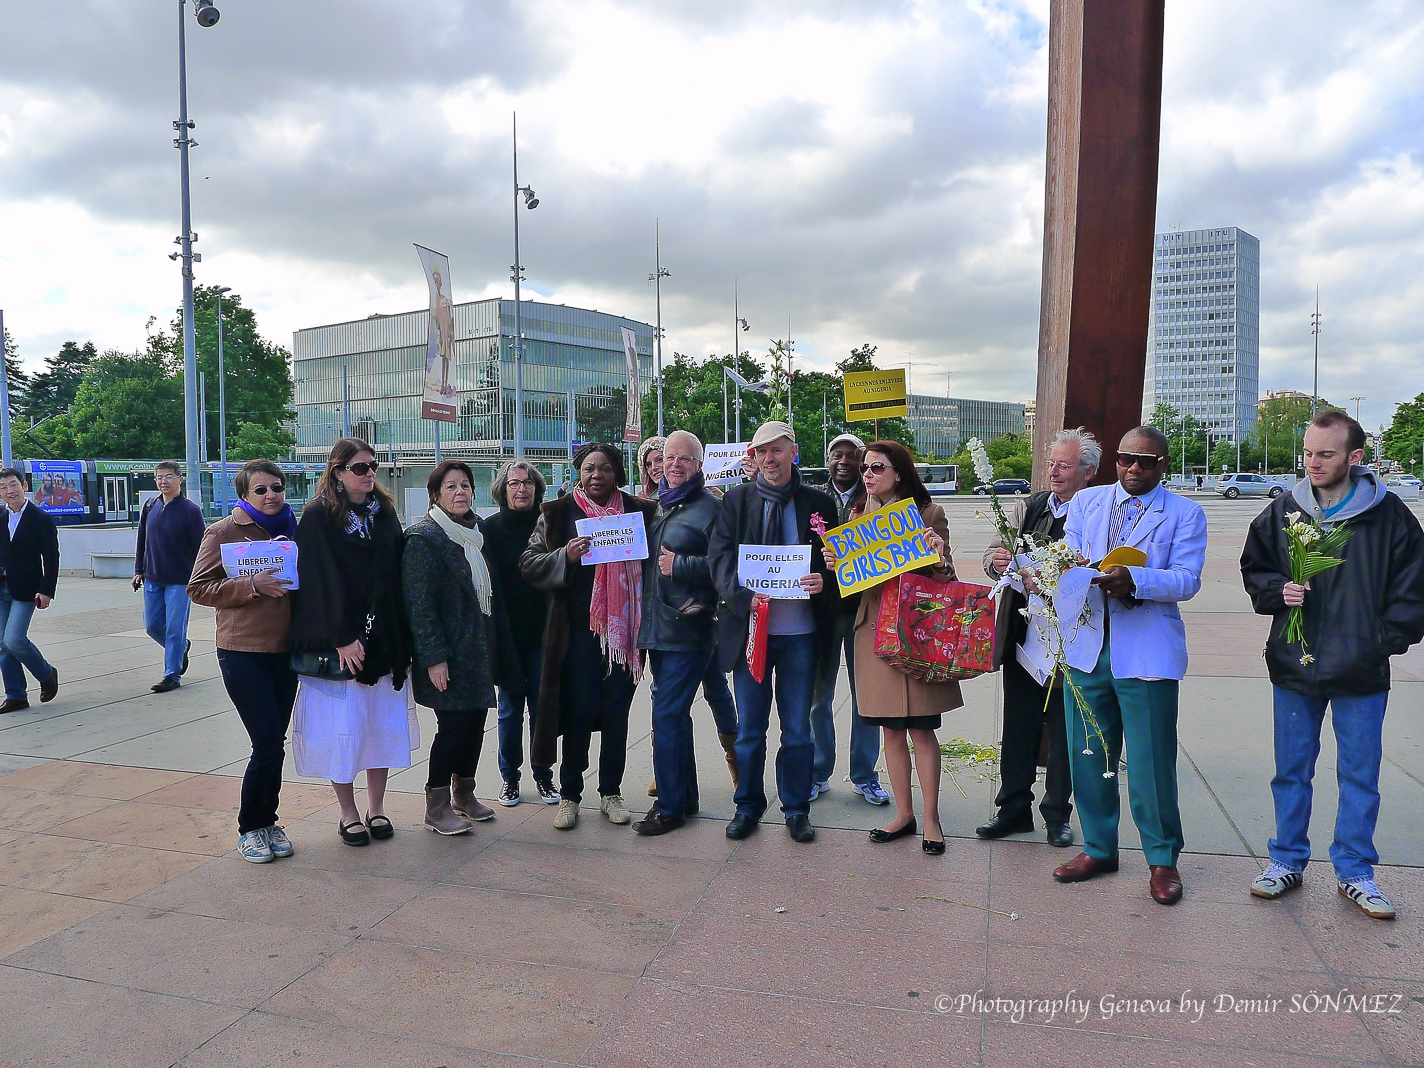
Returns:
(669,497)
(281,525)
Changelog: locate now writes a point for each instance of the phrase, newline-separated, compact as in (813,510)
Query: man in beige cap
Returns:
(776,509)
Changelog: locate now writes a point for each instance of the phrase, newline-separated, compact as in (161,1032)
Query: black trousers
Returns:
(595,699)
(263,686)
(456,749)
(1024,718)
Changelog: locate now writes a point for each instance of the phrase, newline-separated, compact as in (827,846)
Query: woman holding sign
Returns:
(907,709)
(254,616)
(590,635)
(349,642)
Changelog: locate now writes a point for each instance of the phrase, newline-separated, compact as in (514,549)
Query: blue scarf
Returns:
(283,524)
(778,497)
(668,496)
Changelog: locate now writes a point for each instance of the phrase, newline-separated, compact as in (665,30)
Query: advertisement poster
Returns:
(633,424)
(615,538)
(438,396)
(57,486)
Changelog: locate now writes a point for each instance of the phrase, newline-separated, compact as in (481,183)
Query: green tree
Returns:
(1281,424)
(692,398)
(1011,455)
(1404,437)
(17,381)
(129,405)
(255,442)
(52,390)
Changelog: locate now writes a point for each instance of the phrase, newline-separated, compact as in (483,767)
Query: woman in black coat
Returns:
(462,643)
(348,621)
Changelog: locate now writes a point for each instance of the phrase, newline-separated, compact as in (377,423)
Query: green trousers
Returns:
(1145,714)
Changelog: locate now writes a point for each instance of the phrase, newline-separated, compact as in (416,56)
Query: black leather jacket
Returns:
(680,611)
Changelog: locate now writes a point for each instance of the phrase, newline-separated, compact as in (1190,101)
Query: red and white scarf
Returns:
(616,610)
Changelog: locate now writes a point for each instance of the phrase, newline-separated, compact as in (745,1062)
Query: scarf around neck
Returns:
(281,525)
(669,496)
(615,611)
(361,519)
(472,542)
(778,497)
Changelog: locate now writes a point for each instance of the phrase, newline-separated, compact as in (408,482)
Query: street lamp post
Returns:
(656,278)
(738,323)
(5,458)
(1315,333)
(516,273)
(222,407)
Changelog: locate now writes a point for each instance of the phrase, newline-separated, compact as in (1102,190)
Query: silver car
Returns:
(1247,485)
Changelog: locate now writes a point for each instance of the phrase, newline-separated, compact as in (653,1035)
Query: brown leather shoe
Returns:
(13,705)
(50,688)
(1082,868)
(1166,885)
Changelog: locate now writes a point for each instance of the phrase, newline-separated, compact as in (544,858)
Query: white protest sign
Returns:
(243,558)
(723,463)
(775,570)
(615,538)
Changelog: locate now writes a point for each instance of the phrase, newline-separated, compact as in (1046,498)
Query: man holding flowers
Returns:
(1339,564)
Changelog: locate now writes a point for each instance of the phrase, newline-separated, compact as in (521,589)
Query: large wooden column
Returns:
(1104,116)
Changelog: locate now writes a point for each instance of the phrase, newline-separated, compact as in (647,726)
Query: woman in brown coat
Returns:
(907,709)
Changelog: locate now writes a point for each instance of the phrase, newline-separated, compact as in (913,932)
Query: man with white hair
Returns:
(1032,708)
(677,630)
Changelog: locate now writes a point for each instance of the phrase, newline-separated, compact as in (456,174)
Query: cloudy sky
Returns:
(872,169)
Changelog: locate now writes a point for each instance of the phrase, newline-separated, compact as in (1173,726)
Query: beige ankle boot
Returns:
(464,801)
(728,742)
(439,816)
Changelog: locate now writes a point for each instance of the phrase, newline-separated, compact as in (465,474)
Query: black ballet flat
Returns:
(934,849)
(354,834)
(380,827)
(880,836)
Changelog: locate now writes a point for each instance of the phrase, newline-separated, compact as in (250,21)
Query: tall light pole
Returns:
(222,406)
(207,15)
(656,278)
(1315,333)
(516,273)
(6,460)
(738,323)
(790,421)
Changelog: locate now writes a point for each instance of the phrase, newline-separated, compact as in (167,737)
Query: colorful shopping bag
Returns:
(936,631)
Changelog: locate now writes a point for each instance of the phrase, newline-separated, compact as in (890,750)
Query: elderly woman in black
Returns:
(348,640)
(461,642)
(591,658)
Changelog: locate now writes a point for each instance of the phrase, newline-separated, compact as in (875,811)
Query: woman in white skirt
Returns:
(353,711)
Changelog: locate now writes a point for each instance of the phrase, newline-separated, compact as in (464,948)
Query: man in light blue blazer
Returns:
(1129,675)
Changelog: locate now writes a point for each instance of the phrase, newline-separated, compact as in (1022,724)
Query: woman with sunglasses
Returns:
(254,616)
(907,709)
(353,712)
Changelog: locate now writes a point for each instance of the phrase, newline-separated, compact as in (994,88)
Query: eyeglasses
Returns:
(679,460)
(262,491)
(166,477)
(1147,461)
(363,469)
(519,483)
(878,466)
(1056,466)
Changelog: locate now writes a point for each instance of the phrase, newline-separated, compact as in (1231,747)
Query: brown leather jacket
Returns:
(247,621)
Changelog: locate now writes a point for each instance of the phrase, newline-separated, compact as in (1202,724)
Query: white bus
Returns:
(941,480)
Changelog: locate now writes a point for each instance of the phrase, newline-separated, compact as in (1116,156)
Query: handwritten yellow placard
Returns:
(879,545)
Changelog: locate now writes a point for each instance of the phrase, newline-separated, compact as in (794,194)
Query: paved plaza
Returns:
(131,933)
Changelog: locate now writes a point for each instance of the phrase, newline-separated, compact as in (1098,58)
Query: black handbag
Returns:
(326,663)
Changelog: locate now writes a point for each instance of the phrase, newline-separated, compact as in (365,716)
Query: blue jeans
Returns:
(1359,734)
(263,687)
(719,695)
(511,721)
(790,668)
(864,735)
(677,674)
(165,617)
(17,649)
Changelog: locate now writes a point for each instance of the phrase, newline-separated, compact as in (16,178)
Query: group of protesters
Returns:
(462,614)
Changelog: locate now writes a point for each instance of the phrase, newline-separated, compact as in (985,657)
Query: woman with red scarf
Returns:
(590,635)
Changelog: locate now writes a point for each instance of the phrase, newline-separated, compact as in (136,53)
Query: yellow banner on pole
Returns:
(875,394)
(880,545)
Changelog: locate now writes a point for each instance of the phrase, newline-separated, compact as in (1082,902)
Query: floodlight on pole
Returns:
(222,408)
(656,279)
(516,274)
(1315,333)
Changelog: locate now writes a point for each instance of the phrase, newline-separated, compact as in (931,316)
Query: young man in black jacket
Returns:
(29,554)
(775,510)
(1356,615)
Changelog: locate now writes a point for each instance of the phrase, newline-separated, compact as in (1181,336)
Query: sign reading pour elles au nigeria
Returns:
(879,546)
(875,394)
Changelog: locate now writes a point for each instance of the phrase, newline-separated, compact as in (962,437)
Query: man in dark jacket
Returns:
(1356,616)
(29,555)
(679,613)
(774,510)
(170,530)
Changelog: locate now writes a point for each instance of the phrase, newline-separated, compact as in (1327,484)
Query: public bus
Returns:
(942,480)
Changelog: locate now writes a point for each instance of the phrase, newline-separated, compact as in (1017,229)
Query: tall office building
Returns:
(1203,339)
(940,425)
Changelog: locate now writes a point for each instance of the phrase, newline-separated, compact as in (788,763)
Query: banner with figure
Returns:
(438,395)
(633,422)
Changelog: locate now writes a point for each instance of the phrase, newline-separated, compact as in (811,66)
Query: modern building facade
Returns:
(941,425)
(1203,340)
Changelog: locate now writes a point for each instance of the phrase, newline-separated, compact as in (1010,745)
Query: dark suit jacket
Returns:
(31,558)
(740,524)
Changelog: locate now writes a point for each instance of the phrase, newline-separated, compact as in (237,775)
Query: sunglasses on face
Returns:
(262,491)
(363,469)
(878,466)
(1145,460)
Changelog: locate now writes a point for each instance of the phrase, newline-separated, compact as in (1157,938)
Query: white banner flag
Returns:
(633,423)
(438,394)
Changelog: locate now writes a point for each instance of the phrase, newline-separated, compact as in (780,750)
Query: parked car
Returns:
(1247,485)
(1004,486)
(1403,480)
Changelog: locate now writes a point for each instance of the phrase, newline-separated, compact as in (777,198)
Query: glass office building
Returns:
(365,378)
(1203,340)
(941,425)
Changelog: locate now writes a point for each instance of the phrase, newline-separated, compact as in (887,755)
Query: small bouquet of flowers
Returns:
(1312,550)
(984,472)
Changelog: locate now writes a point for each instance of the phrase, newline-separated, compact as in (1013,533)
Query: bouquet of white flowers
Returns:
(1311,552)
(984,472)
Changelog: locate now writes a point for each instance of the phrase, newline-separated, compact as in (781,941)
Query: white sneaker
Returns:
(819,788)
(1275,881)
(509,795)
(873,792)
(611,805)
(1364,893)
(279,842)
(254,848)
(567,815)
